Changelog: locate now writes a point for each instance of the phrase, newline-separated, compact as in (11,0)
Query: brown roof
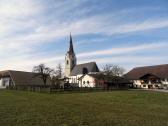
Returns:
(160,71)
(23,78)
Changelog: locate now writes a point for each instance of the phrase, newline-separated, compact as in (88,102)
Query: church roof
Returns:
(160,71)
(78,69)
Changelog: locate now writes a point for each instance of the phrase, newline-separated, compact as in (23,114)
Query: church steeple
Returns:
(70,59)
(71,50)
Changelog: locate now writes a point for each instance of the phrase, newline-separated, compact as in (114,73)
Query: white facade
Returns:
(4,82)
(140,84)
(70,62)
(164,83)
(85,81)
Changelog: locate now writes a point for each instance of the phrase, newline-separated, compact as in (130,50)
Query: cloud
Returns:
(26,63)
(26,24)
(142,26)
(18,8)
(125,50)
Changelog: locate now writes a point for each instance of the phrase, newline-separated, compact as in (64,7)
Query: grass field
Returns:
(116,108)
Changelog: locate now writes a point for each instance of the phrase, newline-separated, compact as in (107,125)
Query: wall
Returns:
(137,83)
(87,81)
(4,82)
(165,83)
(74,79)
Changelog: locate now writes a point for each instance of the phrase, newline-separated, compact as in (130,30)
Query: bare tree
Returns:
(43,72)
(56,78)
(114,70)
(59,70)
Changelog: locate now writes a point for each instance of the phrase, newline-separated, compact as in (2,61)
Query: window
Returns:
(144,85)
(67,62)
(87,82)
(83,82)
(85,70)
(4,83)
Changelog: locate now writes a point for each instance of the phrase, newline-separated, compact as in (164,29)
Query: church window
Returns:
(83,82)
(87,82)
(67,62)
(85,70)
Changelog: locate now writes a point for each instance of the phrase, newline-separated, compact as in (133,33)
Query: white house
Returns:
(149,76)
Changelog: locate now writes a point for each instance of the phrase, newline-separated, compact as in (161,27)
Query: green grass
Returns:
(116,108)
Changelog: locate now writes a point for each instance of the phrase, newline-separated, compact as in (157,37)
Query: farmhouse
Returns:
(149,76)
(19,78)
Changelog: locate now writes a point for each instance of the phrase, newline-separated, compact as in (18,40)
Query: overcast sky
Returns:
(129,33)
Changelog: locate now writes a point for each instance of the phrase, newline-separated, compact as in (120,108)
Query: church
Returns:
(75,71)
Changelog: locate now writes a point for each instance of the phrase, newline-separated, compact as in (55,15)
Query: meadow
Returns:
(114,108)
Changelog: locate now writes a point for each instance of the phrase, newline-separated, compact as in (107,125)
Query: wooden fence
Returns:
(52,89)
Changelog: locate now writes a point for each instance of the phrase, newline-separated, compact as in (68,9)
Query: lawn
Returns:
(115,108)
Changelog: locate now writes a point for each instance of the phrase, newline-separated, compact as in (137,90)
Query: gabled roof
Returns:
(78,69)
(160,71)
(23,78)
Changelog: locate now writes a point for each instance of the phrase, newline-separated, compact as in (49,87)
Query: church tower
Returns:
(70,59)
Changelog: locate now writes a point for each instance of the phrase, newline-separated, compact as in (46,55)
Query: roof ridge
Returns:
(85,63)
(20,71)
(151,66)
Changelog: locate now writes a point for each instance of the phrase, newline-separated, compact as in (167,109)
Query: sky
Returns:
(129,33)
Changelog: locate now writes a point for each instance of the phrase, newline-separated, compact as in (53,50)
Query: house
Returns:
(149,76)
(100,80)
(19,78)
(73,70)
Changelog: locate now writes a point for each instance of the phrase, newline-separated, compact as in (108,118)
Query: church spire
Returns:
(70,59)
(71,50)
